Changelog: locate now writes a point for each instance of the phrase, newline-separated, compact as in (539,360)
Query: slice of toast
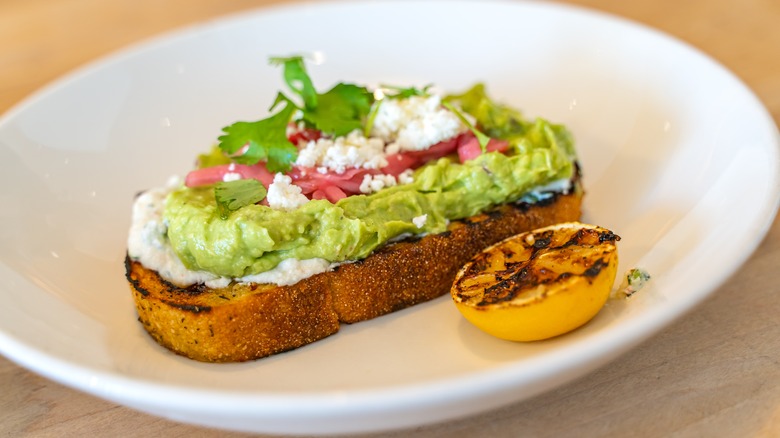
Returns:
(249,321)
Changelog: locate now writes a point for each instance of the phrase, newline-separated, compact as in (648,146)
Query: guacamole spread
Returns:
(255,238)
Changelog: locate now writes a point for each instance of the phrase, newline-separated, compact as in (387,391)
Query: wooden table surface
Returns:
(716,372)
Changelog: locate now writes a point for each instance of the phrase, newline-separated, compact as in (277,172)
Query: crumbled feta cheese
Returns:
(338,154)
(411,124)
(406,177)
(420,221)
(231,176)
(365,185)
(284,195)
(414,124)
(375,183)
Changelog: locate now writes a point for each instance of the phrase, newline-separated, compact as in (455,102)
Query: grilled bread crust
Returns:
(248,321)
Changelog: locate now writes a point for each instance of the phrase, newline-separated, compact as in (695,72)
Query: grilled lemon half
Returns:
(538,284)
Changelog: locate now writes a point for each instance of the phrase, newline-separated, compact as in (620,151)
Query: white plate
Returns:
(679,158)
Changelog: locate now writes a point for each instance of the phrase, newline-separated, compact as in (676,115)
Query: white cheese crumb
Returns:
(420,221)
(414,124)
(406,177)
(338,154)
(231,176)
(147,240)
(375,183)
(283,195)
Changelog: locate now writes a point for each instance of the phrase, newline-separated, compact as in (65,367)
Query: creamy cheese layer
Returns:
(148,244)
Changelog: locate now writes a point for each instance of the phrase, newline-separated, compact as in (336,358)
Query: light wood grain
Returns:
(716,372)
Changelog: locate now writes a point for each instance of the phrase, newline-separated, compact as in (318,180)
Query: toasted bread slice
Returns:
(249,321)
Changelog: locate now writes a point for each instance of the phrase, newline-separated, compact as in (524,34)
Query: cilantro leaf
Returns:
(233,195)
(265,140)
(340,110)
(298,79)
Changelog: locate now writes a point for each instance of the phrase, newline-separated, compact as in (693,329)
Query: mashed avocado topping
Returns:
(256,238)
(330,177)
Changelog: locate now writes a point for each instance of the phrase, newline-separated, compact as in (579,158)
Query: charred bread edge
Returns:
(248,321)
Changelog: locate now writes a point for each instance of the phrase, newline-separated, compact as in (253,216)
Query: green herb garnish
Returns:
(297,78)
(338,111)
(494,119)
(481,138)
(233,195)
(266,140)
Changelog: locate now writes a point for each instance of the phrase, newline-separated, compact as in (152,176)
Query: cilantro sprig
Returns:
(264,140)
(338,111)
(297,78)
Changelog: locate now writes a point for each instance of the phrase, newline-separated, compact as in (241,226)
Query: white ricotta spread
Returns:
(290,271)
(147,240)
(546,191)
(148,244)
